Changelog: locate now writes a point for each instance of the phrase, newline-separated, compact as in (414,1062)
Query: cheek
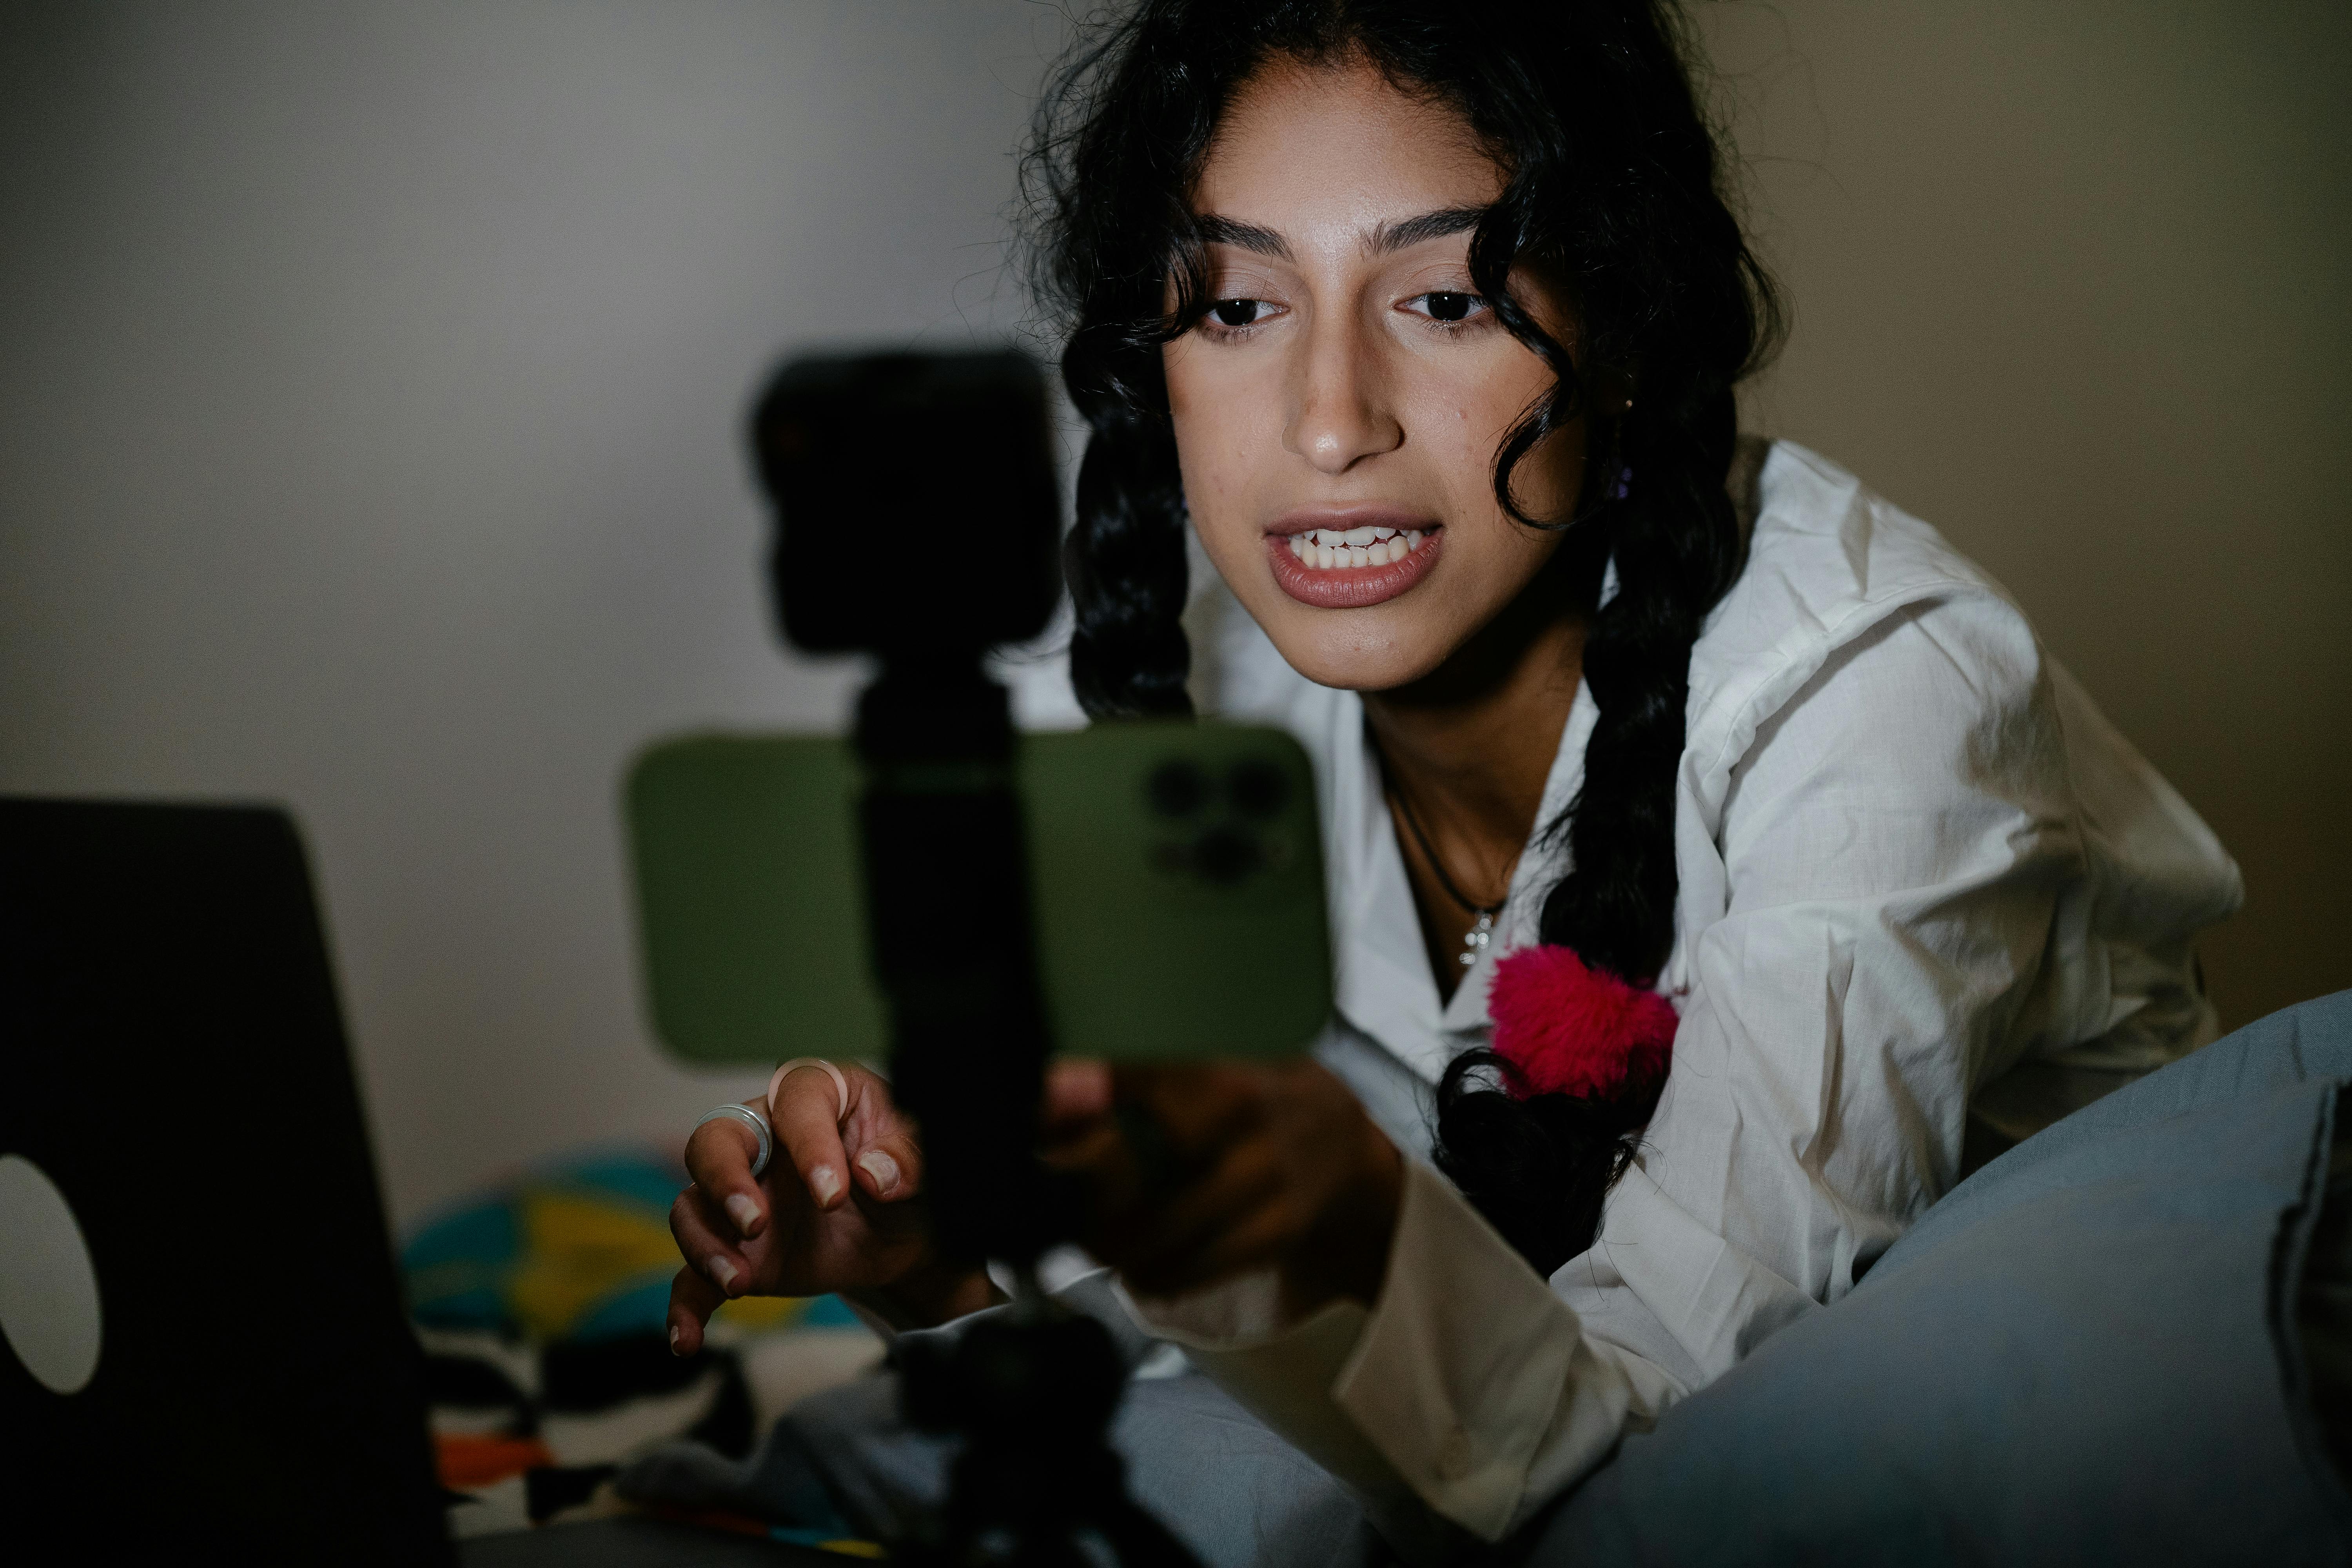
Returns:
(1215,425)
(1459,424)
(1465,422)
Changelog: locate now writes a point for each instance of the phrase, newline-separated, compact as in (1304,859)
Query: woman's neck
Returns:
(1468,749)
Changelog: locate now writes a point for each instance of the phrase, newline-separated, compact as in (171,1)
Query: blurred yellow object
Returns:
(578,1252)
(758,1314)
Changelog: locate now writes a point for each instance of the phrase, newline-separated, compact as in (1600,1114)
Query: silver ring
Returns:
(756,1122)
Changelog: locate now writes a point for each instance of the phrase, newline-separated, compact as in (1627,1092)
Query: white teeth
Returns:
(1326,550)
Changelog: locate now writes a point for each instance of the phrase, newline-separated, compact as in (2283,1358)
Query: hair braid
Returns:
(1125,561)
(1539,1168)
(1675,555)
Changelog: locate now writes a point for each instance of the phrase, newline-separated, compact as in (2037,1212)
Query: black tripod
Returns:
(1031,1390)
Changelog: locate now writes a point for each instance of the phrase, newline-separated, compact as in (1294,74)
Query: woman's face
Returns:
(1350,389)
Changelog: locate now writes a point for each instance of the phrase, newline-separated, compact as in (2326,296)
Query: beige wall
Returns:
(2073,282)
(370,381)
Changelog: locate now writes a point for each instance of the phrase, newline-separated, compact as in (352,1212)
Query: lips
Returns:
(1351,587)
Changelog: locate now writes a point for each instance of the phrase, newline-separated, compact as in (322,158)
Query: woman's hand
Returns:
(835,1211)
(1201,1172)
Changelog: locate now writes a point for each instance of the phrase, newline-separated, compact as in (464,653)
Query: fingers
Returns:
(718,1158)
(1198,1107)
(806,1112)
(1252,1240)
(1075,1092)
(885,1158)
(692,1299)
(1227,1219)
(1252,1165)
(889,1166)
(706,1251)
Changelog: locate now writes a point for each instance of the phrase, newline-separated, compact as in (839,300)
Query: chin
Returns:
(1346,658)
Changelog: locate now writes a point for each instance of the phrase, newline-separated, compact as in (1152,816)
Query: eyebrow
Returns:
(1383,240)
(1412,231)
(1215,230)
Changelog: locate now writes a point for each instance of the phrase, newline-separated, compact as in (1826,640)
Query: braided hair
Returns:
(1613,190)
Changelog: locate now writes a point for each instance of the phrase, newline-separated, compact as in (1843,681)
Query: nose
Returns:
(1340,410)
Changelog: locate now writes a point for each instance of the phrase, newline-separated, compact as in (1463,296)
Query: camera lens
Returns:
(1176,789)
(1223,856)
(1257,788)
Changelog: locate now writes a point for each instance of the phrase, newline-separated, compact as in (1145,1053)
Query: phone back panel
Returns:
(1176,877)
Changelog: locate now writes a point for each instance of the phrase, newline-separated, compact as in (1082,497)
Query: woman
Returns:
(1705,835)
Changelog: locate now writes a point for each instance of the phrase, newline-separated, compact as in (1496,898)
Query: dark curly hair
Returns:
(1613,191)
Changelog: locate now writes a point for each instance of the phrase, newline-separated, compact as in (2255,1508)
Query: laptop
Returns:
(205,1351)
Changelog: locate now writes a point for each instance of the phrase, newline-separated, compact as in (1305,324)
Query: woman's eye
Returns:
(1237,312)
(1448,305)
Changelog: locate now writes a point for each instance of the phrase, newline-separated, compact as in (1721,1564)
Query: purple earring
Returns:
(1624,485)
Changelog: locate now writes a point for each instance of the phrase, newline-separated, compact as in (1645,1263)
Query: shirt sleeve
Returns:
(1893,847)
(1468,1376)
(1896,844)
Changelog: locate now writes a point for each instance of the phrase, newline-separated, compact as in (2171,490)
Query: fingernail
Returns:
(746,1212)
(881,1167)
(673,1340)
(724,1272)
(825,1183)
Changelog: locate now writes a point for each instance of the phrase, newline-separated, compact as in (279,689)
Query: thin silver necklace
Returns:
(1474,940)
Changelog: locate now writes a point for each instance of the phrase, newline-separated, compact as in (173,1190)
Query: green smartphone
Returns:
(1176,877)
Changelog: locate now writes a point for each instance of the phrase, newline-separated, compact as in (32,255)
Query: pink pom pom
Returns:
(1562,1029)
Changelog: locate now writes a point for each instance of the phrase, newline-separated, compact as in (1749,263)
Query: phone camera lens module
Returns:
(1224,857)
(1176,789)
(1257,788)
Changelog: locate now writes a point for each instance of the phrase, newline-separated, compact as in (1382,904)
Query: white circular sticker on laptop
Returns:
(49,1286)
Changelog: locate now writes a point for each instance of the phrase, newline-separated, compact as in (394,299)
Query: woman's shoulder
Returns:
(1827,561)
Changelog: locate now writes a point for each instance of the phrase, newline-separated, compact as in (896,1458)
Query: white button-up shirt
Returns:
(1917,868)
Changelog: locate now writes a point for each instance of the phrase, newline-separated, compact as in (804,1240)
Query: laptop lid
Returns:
(203,1322)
